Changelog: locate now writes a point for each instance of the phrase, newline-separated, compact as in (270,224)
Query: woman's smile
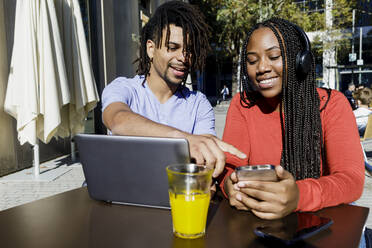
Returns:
(267,83)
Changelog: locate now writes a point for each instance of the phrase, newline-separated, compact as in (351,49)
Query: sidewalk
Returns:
(17,193)
(14,193)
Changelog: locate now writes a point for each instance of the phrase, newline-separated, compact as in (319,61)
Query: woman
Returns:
(281,118)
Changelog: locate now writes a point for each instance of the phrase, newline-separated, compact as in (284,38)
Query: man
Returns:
(156,102)
(349,95)
(224,92)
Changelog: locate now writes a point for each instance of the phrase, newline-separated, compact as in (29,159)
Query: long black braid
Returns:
(302,150)
(195,34)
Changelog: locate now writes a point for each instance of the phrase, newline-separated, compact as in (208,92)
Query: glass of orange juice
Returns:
(189,196)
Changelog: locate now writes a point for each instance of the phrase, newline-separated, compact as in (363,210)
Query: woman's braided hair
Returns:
(301,124)
(194,28)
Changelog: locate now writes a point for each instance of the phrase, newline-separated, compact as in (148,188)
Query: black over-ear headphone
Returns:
(303,58)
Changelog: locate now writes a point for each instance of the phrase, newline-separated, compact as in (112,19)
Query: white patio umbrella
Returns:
(84,96)
(40,94)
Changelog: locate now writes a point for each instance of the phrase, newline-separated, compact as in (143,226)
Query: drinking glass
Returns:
(189,196)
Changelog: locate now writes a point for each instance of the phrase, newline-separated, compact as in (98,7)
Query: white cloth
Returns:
(46,99)
(54,88)
(22,95)
(84,95)
(361,115)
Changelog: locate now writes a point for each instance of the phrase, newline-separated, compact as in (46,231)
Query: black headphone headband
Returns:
(305,39)
(304,58)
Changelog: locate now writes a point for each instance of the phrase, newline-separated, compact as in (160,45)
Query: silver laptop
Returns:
(130,169)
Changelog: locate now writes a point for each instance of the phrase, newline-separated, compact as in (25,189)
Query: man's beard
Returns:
(172,83)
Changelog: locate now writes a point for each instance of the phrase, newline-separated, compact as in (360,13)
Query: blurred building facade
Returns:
(338,69)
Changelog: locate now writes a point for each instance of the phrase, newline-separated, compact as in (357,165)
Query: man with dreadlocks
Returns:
(156,102)
(282,118)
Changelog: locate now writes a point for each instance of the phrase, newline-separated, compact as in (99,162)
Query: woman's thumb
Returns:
(281,172)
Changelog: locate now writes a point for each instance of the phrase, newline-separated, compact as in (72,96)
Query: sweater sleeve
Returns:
(342,177)
(236,134)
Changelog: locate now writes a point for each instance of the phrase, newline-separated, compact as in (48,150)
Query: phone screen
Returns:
(293,228)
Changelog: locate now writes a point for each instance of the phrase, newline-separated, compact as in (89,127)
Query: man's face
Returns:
(168,62)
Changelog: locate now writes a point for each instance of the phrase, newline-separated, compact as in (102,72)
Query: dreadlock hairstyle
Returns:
(195,34)
(302,149)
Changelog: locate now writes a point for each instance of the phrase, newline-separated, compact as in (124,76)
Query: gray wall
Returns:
(125,46)
(121,24)
(118,50)
(7,148)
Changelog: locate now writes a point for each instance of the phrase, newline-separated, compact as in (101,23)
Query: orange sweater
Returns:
(259,135)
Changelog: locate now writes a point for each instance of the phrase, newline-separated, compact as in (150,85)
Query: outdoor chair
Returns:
(367,136)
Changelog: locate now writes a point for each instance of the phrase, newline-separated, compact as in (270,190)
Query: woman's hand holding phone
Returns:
(268,199)
(233,192)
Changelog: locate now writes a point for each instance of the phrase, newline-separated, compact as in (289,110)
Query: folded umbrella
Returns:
(51,86)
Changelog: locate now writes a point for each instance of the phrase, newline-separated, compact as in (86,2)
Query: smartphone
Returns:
(293,228)
(264,172)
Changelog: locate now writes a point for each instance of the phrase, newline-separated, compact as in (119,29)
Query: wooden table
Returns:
(73,219)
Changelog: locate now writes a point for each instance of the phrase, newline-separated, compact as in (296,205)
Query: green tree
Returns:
(340,30)
(230,19)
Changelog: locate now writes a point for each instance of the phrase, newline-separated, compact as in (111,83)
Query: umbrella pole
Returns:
(73,153)
(36,159)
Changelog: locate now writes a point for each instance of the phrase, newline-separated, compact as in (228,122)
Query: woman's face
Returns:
(264,62)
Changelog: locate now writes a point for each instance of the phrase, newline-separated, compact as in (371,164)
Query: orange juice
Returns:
(189,213)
